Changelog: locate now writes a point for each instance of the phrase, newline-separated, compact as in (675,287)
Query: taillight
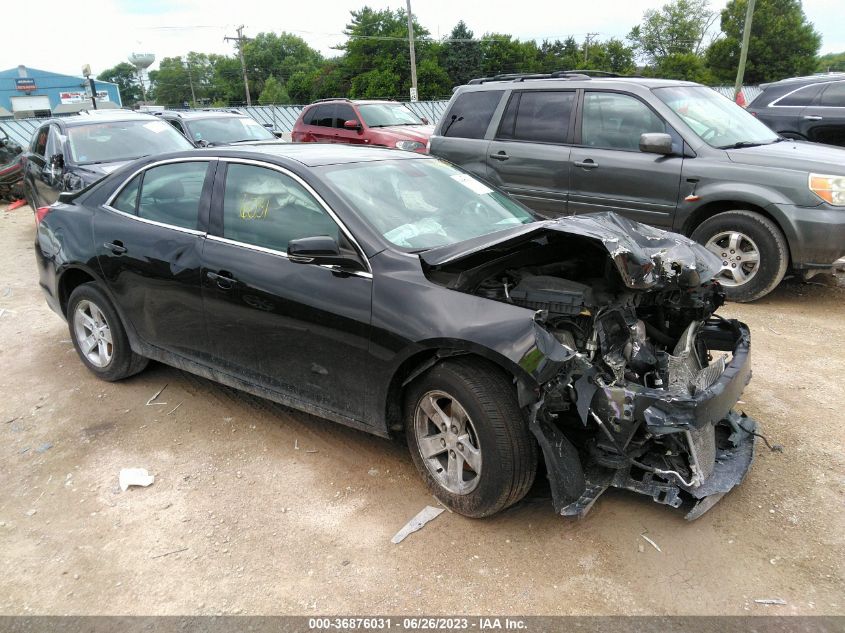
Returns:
(41,213)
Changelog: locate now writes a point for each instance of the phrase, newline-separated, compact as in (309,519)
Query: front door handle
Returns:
(225,280)
(116,247)
(812,117)
(500,156)
(586,164)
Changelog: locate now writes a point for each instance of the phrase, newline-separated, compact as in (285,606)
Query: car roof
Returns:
(94,117)
(576,81)
(313,154)
(201,114)
(806,80)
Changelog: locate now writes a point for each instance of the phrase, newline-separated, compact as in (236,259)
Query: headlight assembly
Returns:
(831,189)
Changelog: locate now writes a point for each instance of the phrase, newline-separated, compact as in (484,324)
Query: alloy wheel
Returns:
(739,254)
(93,333)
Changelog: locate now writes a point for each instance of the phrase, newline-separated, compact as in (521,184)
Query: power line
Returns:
(240,38)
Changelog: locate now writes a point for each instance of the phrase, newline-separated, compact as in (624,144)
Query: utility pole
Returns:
(587,41)
(241,39)
(414,93)
(743,55)
(191,81)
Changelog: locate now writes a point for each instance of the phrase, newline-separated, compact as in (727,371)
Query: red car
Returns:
(382,123)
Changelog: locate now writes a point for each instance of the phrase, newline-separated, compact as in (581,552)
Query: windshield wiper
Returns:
(741,144)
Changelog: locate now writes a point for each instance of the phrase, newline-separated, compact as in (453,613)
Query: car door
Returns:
(529,156)
(298,329)
(149,238)
(43,175)
(343,113)
(321,126)
(609,173)
(824,120)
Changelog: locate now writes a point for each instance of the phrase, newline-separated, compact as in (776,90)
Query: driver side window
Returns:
(266,208)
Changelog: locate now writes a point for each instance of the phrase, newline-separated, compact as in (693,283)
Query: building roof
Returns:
(36,73)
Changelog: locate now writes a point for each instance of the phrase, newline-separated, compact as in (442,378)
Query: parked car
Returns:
(804,108)
(67,154)
(391,291)
(673,154)
(209,128)
(381,123)
(11,170)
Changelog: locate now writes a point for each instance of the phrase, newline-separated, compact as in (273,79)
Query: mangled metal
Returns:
(635,376)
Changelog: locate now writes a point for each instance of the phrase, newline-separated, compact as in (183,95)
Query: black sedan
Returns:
(395,293)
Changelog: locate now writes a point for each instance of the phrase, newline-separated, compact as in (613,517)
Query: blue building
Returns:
(29,92)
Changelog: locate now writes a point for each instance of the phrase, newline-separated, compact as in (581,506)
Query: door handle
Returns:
(500,156)
(586,164)
(116,247)
(812,117)
(224,280)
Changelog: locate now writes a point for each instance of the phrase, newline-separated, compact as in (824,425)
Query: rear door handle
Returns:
(586,164)
(500,156)
(116,247)
(812,117)
(225,280)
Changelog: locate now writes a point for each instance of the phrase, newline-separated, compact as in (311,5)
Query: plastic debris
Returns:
(134,477)
(425,515)
(652,543)
(16,205)
(776,601)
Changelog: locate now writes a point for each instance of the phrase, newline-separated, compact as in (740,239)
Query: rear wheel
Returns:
(468,437)
(752,250)
(98,335)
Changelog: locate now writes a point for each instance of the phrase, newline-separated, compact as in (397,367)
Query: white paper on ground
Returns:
(425,515)
(135,477)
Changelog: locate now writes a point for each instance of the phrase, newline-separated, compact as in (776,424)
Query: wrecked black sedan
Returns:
(395,293)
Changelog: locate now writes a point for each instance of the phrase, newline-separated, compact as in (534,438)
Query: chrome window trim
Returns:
(181,229)
(119,190)
(774,104)
(270,251)
(314,194)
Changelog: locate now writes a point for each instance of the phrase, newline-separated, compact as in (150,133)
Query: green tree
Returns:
(558,55)
(680,26)
(504,54)
(783,43)
(274,92)
(277,55)
(126,78)
(170,84)
(461,56)
(832,62)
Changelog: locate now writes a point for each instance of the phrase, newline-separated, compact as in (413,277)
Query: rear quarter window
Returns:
(470,114)
(801,97)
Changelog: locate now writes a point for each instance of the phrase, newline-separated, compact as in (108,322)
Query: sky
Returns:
(103,32)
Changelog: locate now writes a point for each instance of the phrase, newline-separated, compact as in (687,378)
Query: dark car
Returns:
(380,123)
(11,168)
(210,127)
(391,291)
(804,108)
(68,154)
(673,154)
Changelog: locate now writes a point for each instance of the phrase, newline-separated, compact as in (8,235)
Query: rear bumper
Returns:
(816,235)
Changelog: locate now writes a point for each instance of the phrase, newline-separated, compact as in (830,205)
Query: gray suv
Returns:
(673,154)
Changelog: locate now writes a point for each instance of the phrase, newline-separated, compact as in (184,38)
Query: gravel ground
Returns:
(263,510)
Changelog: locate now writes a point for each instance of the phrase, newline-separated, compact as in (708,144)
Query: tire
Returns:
(109,360)
(501,453)
(737,235)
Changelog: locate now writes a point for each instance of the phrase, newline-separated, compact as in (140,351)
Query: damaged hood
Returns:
(645,257)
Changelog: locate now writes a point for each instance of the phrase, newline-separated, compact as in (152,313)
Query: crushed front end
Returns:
(636,376)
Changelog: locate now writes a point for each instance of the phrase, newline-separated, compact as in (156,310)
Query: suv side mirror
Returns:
(352,124)
(424,120)
(321,250)
(656,143)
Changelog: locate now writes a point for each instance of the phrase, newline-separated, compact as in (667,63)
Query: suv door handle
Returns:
(586,164)
(812,117)
(224,279)
(116,247)
(500,156)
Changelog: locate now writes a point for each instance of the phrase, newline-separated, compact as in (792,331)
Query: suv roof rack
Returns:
(572,75)
(332,99)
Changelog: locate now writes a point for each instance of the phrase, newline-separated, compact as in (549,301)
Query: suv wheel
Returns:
(753,251)
(98,335)
(468,437)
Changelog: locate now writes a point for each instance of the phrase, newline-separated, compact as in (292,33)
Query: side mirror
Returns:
(269,126)
(278,134)
(424,120)
(352,125)
(656,143)
(321,250)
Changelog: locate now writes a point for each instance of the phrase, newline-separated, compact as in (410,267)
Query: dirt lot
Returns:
(259,509)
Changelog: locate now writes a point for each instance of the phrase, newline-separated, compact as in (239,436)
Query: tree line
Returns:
(684,39)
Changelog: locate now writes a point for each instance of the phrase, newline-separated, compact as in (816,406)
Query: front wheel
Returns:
(468,437)
(752,250)
(98,335)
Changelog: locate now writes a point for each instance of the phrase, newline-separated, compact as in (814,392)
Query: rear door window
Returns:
(538,116)
(127,200)
(834,95)
(470,114)
(39,143)
(171,193)
(616,121)
(801,97)
(324,116)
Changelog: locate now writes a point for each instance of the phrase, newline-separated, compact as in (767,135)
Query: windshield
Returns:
(384,114)
(122,140)
(227,130)
(716,120)
(420,204)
